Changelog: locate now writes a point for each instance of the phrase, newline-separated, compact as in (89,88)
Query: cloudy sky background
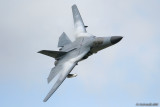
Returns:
(119,76)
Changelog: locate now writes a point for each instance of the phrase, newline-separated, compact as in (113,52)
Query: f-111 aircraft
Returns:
(70,53)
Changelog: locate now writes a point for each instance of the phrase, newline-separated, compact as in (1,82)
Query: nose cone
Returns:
(115,39)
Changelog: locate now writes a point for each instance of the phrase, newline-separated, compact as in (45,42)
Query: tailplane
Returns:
(54,54)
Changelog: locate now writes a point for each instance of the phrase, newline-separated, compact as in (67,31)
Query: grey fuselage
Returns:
(71,53)
(94,43)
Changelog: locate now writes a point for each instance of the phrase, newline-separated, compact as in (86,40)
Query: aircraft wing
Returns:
(65,69)
(62,77)
(78,22)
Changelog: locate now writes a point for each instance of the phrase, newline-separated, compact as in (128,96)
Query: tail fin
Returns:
(63,40)
(54,54)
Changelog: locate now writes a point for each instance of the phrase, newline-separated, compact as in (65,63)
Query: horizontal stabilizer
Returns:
(63,40)
(54,54)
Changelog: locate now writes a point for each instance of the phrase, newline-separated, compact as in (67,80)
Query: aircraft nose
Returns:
(115,39)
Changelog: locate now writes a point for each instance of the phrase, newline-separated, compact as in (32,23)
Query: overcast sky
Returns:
(119,76)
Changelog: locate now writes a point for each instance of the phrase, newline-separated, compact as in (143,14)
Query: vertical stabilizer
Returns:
(63,40)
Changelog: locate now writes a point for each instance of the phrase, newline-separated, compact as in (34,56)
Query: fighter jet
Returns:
(70,53)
